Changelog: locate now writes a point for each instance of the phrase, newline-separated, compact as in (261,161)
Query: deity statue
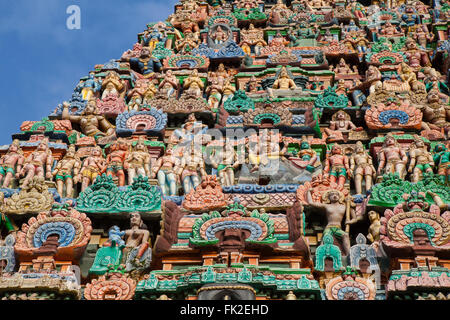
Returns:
(188,131)
(373,76)
(219,36)
(11,164)
(214,92)
(136,240)
(193,85)
(441,158)
(226,162)
(392,158)
(336,208)
(188,43)
(279,13)
(220,75)
(416,57)
(422,35)
(252,37)
(409,76)
(66,172)
(388,30)
(309,160)
(151,39)
(189,168)
(92,167)
(337,165)
(374,228)
(38,163)
(228,90)
(421,159)
(169,85)
(343,68)
(164,169)
(112,85)
(146,64)
(340,123)
(90,121)
(115,160)
(136,94)
(89,87)
(436,115)
(361,166)
(283,84)
(137,163)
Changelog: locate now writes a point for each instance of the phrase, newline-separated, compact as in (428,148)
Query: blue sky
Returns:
(41,61)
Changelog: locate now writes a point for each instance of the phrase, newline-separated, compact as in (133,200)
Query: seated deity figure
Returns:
(228,90)
(337,165)
(441,158)
(416,58)
(279,13)
(11,164)
(38,164)
(92,167)
(421,160)
(409,76)
(112,85)
(191,168)
(189,42)
(66,172)
(188,131)
(164,169)
(115,161)
(225,160)
(89,87)
(90,121)
(389,30)
(422,35)
(392,158)
(136,95)
(137,247)
(138,161)
(284,86)
(169,86)
(361,167)
(193,85)
(340,123)
(343,68)
(373,76)
(436,114)
(335,206)
(220,75)
(146,64)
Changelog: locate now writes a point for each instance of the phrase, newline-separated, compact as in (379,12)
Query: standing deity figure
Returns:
(90,121)
(66,172)
(136,239)
(214,92)
(151,39)
(337,165)
(416,57)
(392,158)
(169,85)
(92,167)
(164,169)
(11,163)
(146,64)
(442,160)
(38,163)
(115,161)
(191,165)
(136,94)
(220,75)
(421,159)
(374,228)
(361,166)
(436,115)
(193,85)
(219,36)
(137,163)
(336,208)
(89,87)
(225,161)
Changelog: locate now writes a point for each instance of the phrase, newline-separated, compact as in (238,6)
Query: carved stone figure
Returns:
(361,167)
(38,163)
(191,169)
(115,161)
(11,164)
(337,165)
(137,162)
(421,160)
(92,167)
(225,161)
(164,168)
(66,172)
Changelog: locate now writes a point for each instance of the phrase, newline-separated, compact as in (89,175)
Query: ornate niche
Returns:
(393,116)
(112,286)
(205,197)
(151,122)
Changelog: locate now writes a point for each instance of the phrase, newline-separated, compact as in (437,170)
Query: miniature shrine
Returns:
(243,150)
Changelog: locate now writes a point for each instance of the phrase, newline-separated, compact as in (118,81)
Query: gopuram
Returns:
(243,150)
